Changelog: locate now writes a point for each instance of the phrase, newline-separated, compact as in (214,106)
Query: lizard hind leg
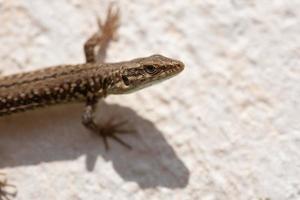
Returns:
(7,191)
(96,46)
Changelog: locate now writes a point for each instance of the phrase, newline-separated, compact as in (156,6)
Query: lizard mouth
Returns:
(172,70)
(177,67)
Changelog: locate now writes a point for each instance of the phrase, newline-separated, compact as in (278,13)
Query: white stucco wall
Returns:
(228,127)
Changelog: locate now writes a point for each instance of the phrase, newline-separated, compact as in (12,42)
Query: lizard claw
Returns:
(110,130)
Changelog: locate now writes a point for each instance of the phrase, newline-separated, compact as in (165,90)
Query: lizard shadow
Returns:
(56,134)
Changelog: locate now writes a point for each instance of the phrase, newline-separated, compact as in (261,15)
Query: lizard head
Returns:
(143,72)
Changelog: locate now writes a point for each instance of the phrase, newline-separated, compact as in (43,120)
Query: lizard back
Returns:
(48,86)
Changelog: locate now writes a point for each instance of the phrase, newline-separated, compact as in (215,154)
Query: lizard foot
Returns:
(7,191)
(110,130)
(110,26)
(95,47)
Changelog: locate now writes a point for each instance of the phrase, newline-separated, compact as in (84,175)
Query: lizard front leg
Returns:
(101,39)
(108,130)
(95,47)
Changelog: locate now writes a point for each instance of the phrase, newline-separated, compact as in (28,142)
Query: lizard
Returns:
(87,82)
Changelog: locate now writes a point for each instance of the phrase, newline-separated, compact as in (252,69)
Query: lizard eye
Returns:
(150,69)
(125,80)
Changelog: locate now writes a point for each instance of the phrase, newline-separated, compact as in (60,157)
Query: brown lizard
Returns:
(86,82)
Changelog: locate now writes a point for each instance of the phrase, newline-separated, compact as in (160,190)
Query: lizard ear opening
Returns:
(125,80)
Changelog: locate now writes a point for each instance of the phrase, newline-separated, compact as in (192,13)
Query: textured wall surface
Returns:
(228,127)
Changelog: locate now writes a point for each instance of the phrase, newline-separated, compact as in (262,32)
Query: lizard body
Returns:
(69,83)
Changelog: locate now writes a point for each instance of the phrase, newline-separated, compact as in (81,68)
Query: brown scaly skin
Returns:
(85,82)
(71,83)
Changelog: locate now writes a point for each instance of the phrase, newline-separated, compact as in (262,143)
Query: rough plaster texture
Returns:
(227,128)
